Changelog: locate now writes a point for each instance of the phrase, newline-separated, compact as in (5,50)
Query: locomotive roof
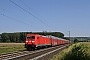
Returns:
(50,36)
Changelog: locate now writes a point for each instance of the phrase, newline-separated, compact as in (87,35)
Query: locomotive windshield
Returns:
(31,37)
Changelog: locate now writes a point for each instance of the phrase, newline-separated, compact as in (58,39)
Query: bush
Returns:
(78,52)
(76,40)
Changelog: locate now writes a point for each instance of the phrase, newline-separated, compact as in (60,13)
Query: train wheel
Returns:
(29,49)
(38,48)
(33,48)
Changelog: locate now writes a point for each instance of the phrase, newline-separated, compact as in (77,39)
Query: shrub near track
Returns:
(77,51)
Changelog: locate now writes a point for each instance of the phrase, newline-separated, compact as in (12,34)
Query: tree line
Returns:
(21,36)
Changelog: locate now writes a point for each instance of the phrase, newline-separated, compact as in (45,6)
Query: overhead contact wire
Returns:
(33,11)
(16,20)
(29,13)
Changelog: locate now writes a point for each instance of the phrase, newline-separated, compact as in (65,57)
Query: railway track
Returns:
(30,55)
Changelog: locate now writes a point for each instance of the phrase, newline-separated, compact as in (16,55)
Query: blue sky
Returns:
(46,15)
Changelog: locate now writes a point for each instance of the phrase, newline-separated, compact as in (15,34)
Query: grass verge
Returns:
(78,51)
(11,47)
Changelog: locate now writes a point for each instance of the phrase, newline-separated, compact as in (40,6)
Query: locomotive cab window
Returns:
(31,37)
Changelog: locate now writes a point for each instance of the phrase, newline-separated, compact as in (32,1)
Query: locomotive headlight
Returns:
(26,41)
(33,41)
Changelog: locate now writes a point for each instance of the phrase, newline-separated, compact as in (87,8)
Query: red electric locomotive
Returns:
(37,41)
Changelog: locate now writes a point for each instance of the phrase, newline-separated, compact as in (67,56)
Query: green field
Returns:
(11,47)
(77,51)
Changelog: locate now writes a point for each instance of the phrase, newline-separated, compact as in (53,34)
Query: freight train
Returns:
(36,41)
